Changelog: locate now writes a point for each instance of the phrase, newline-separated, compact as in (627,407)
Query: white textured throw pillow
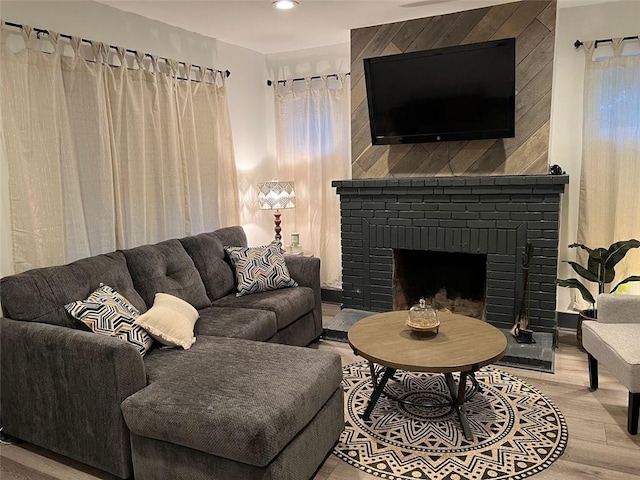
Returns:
(170,321)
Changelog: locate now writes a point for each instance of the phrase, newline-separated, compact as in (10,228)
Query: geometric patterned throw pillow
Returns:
(259,269)
(106,312)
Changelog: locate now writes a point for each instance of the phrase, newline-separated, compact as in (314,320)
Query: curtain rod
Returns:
(227,73)
(284,82)
(578,43)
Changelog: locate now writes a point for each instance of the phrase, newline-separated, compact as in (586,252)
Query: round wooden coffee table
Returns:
(463,344)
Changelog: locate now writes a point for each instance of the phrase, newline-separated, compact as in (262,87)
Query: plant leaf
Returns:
(618,250)
(579,245)
(575,283)
(597,267)
(598,255)
(632,278)
(584,273)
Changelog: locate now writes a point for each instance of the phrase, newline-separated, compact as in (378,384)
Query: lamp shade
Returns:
(275,195)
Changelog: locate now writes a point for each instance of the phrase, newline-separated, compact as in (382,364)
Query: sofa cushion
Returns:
(244,323)
(234,398)
(40,295)
(259,269)
(615,308)
(170,321)
(288,304)
(106,312)
(232,236)
(167,268)
(209,257)
(616,346)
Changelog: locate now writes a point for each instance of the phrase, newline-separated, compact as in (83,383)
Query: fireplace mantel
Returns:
(493,215)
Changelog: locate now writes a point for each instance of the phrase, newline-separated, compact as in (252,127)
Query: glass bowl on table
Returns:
(423,318)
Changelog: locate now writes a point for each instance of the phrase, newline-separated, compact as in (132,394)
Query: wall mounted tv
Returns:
(454,93)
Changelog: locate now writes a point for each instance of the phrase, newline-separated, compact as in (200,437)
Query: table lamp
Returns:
(275,195)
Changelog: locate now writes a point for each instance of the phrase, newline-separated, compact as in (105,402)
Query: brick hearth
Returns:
(495,215)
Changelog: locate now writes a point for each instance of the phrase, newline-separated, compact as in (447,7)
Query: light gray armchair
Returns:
(614,341)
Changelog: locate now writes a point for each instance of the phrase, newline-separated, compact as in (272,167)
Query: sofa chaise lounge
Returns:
(246,401)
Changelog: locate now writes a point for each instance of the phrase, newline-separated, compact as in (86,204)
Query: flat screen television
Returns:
(454,93)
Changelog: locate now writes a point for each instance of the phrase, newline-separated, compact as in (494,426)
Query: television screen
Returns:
(455,93)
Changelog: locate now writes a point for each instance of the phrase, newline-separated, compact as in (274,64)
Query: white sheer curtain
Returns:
(45,196)
(103,157)
(610,179)
(312,129)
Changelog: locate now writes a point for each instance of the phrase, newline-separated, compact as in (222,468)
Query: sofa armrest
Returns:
(306,271)
(618,308)
(62,389)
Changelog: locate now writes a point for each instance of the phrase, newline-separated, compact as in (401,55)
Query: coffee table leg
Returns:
(458,400)
(476,383)
(378,387)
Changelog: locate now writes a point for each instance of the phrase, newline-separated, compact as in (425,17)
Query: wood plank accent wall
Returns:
(532,22)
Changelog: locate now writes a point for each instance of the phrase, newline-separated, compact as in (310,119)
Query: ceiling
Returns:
(314,23)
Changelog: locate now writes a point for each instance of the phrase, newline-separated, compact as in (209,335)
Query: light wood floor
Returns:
(599,446)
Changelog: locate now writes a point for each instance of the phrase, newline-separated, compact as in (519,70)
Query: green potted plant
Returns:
(600,269)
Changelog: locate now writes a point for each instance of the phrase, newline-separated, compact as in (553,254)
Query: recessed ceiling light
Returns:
(284,4)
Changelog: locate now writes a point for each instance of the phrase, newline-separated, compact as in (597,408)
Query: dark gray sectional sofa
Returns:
(237,405)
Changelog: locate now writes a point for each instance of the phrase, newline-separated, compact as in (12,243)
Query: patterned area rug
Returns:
(517,431)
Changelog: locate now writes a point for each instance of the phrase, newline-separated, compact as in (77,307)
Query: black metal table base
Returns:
(458,394)
(458,400)
(378,388)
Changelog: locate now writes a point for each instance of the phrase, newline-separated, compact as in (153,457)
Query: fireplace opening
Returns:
(453,281)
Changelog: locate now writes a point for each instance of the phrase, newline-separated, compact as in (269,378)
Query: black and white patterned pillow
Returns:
(259,269)
(106,312)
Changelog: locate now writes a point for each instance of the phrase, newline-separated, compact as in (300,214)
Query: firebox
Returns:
(452,281)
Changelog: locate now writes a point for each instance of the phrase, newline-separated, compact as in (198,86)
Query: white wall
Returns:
(251,101)
(304,63)
(252,124)
(310,62)
(250,111)
(251,105)
(96,21)
(592,22)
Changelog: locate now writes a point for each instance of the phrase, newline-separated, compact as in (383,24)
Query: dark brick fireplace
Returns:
(495,216)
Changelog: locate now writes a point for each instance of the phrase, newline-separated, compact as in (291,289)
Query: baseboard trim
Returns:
(567,320)
(331,295)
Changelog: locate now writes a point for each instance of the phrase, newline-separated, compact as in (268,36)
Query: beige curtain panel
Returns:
(109,151)
(610,178)
(314,148)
